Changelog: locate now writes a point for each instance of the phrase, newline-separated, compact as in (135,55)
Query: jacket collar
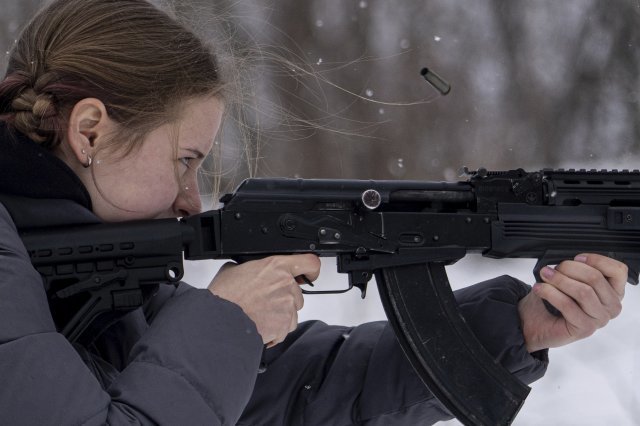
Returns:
(28,170)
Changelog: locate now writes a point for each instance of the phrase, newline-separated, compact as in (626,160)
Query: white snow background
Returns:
(592,382)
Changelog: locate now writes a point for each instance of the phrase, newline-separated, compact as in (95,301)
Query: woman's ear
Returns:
(88,124)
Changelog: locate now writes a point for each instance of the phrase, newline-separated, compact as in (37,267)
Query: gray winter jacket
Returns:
(191,358)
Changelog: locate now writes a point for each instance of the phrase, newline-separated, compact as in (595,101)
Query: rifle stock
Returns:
(403,232)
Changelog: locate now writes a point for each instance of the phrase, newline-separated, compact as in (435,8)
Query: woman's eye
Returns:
(186,161)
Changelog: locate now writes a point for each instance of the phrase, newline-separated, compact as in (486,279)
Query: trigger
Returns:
(360,279)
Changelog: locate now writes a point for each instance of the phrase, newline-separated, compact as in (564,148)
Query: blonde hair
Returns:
(141,63)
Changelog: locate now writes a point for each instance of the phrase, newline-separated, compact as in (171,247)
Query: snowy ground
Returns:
(592,382)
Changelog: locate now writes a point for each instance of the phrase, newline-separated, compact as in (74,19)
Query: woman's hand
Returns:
(587,291)
(267,291)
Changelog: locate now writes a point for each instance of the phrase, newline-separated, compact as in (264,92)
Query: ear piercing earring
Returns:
(89,159)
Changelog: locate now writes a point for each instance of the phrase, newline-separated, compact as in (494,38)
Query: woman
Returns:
(107,111)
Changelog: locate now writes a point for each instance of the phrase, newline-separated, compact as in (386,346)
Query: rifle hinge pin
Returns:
(371,199)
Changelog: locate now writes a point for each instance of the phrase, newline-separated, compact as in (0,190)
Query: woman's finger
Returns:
(584,276)
(578,324)
(581,293)
(613,270)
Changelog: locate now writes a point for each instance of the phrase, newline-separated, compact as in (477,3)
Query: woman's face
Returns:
(143,184)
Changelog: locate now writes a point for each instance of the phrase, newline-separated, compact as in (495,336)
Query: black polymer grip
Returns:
(445,353)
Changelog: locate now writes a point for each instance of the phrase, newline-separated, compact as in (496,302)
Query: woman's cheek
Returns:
(161,203)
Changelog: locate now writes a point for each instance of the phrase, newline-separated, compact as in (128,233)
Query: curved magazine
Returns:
(444,352)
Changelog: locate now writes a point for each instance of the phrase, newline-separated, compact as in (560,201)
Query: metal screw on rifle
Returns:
(468,220)
(290,224)
(436,238)
(323,232)
(629,218)
(337,236)
(264,230)
(531,197)
(237,216)
(312,246)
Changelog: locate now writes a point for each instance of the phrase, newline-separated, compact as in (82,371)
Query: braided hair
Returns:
(140,62)
(33,109)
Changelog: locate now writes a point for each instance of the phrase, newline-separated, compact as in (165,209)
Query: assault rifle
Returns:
(403,232)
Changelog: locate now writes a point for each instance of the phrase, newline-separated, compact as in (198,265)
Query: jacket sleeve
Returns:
(339,375)
(181,371)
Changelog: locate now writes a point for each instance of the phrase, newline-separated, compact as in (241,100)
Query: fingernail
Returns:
(580,258)
(547,272)
(536,287)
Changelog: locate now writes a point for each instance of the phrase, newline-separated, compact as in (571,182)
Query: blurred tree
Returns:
(338,90)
